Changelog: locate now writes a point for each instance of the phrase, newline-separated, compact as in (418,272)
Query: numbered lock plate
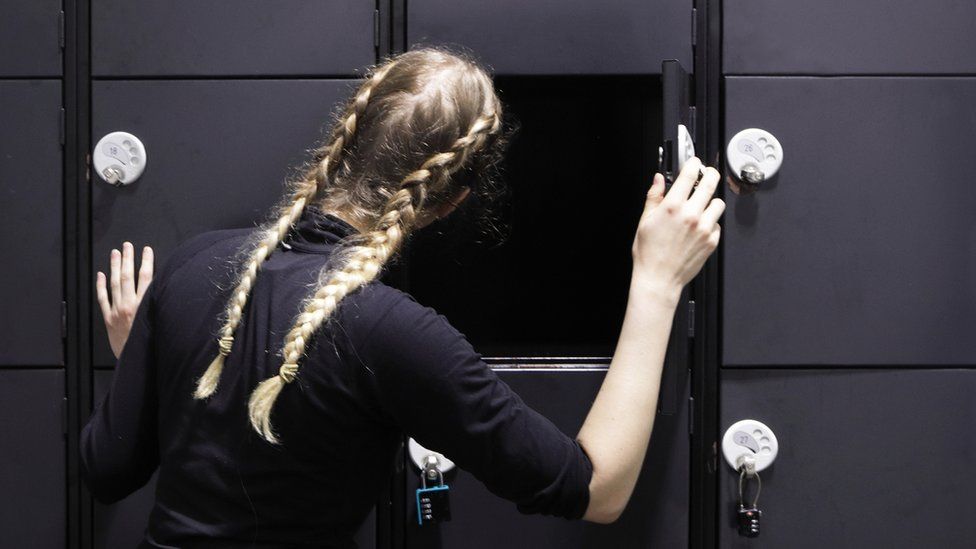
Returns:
(750,438)
(119,158)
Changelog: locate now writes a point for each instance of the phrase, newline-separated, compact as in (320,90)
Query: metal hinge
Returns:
(61,29)
(64,319)
(691,319)
(376,28)
(61,128)
(694,27)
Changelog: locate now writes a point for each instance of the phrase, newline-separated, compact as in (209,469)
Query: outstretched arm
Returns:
(675,236)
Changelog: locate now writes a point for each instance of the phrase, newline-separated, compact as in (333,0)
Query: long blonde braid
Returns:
(269,236)
(357,265)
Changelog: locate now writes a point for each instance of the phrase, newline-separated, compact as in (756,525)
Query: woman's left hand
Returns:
(126,294)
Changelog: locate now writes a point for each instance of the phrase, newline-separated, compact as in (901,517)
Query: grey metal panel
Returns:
(657,515)
(839,36)
(32,463)
(556,36)
(863,250)
(878,458)
(218,154)
(31,288)
(250,37)
(123,524)
(30,42)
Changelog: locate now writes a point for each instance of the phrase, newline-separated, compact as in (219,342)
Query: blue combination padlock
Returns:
(433,503)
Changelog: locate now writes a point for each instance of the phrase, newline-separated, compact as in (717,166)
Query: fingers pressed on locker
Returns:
(128,270)
(145,270)
(656,193)
(102,292)
(685,182)
(705,189)
(713,212)
(116,276)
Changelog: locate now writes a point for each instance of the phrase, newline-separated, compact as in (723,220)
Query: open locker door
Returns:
(678,117)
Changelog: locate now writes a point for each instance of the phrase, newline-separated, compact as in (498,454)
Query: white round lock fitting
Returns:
(749,440)
(119,158)
(685,146)
(418,455)
(754,155)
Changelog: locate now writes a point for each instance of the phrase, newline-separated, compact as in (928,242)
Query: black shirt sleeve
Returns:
(119,444)
(439,390)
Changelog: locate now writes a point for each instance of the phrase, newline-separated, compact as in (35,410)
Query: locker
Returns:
(30,38)
(838,37)
(31,286)
(227,38)
(655,517)
(867,458)
(32,466)
(861,250)
(577,170)
(218,153)
(123,524)
(553,37)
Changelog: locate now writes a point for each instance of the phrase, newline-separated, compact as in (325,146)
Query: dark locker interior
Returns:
(839,309)
(572,209)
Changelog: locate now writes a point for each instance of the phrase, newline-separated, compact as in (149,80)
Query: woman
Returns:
(269,374)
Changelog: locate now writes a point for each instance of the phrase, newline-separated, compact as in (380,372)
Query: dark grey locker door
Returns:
(32,463)
(558,37)
(861,252)
(867,458)
(234,38)
(657,515)
(123,524)
(218,155)
(30,38)
(31,288)
(838,36)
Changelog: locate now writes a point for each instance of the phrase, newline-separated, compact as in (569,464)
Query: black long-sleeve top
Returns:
(383,366)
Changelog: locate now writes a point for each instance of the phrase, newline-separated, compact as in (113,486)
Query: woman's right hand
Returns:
(677,233)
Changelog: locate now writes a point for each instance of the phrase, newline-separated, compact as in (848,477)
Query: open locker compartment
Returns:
(577,169)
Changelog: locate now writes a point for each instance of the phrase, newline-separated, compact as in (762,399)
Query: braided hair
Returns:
(413,126)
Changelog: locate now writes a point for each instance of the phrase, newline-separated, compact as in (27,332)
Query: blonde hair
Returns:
(417,121)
